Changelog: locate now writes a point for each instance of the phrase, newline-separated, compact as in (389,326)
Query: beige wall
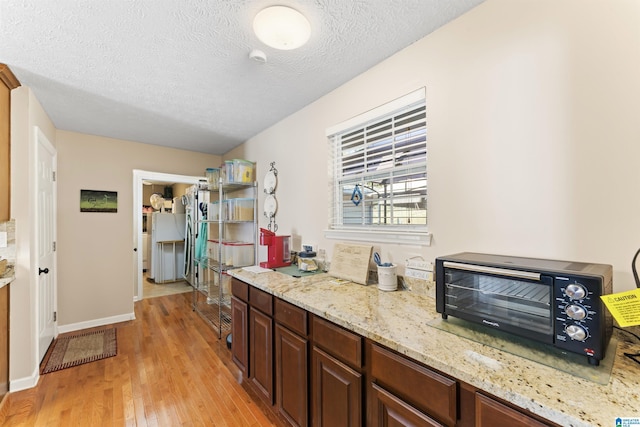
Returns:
(95,256)
(26,112)
(532,134)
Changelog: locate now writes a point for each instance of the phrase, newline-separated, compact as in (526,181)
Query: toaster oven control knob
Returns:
(575,291)
(576,312)
(576,332)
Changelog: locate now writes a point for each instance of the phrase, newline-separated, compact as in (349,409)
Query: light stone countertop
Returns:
(8,276)
(8,252)
(399,320)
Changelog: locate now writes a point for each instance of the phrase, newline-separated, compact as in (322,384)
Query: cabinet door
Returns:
(490,412)
(261,353)
(402,377)
(239,335)
(391,411)
(291,376)
(336,392)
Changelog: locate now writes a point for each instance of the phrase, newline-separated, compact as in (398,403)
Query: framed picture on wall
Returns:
(98,201)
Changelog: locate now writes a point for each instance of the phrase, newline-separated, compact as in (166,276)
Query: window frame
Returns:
(414,234)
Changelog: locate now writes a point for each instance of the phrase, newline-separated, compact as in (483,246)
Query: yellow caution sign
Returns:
(624,307)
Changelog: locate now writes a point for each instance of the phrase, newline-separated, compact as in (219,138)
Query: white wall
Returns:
(532,134)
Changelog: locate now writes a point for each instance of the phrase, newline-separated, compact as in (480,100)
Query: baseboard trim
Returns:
(26,382)
(95,323)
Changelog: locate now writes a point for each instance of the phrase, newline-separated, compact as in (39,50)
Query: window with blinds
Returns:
(379,170)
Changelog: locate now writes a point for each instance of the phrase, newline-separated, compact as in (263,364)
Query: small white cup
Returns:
(387,278)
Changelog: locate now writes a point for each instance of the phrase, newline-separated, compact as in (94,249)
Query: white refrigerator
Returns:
(167,247)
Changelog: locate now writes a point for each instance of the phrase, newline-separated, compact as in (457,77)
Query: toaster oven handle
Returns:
(493,270)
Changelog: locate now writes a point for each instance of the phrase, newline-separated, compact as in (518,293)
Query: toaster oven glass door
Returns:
(518,302)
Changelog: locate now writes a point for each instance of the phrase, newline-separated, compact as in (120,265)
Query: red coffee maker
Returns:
(278,254)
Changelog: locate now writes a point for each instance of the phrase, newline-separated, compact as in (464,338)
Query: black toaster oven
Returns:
(554,302)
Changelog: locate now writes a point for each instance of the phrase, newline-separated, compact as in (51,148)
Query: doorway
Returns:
(139,178)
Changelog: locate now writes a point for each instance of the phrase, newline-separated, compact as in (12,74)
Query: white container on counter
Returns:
(387,278)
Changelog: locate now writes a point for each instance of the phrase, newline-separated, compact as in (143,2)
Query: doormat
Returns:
(74,350)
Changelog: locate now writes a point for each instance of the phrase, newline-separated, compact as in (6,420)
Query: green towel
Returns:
(201,242)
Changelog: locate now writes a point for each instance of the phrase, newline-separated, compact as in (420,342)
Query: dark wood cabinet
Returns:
(391,411)
(344,345)
(419,387)
(336,392)
(252,336)
(292,362)
(261,300)
(337,380)
(291,376)
(490,412)
(261,353)
(240,335)
(239,289)
(314,372)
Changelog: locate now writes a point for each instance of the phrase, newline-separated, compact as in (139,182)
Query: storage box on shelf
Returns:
(213,177)
(216,212)
(238,171)
(240,209)
(236,254)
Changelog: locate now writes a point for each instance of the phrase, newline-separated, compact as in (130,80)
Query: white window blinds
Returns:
(378,166)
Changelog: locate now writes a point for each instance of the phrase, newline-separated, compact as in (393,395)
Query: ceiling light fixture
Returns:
(281,27)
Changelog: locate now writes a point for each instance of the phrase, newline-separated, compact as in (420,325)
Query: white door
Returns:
(46,235)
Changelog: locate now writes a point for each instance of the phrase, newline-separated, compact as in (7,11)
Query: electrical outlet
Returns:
(419,264)
(418,274)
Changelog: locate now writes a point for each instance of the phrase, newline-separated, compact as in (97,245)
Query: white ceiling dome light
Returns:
(281,27)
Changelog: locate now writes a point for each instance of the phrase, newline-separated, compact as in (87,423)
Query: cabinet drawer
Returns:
(291,316)
(490,412)
(239,289)
(425,389)
(344,345)
(261,300)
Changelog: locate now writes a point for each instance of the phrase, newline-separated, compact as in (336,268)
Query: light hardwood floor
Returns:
(170,370)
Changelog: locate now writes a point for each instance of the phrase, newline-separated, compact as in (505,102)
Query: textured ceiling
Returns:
(178,73)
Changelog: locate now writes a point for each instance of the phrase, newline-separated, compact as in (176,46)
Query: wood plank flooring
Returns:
(171,370)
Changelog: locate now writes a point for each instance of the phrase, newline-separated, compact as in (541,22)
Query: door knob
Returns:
(45,271)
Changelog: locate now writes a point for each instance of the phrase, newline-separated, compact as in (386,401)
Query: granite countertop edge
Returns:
(398,320)
(8,276)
